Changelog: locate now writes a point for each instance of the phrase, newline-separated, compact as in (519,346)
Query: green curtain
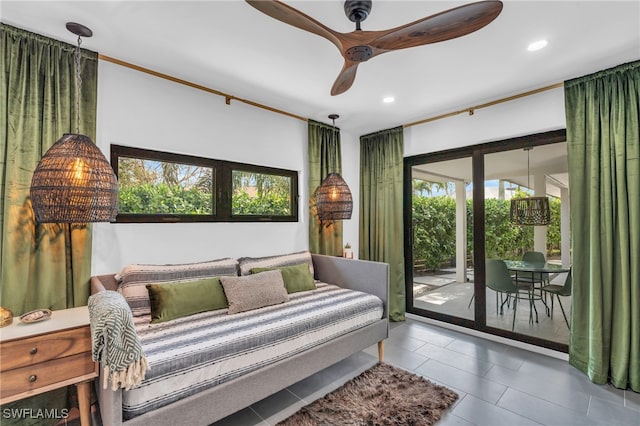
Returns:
(42,266)
(603,115)
(381,216)
(325,156)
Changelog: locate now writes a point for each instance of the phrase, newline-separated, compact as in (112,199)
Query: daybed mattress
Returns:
(197,352)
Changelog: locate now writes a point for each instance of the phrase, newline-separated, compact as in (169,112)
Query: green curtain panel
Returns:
(603,115)
(325,156)
(49,265)
(381,217)
(43,266)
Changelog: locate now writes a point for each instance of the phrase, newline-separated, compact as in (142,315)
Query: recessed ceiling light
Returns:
(537,45)
(388,99)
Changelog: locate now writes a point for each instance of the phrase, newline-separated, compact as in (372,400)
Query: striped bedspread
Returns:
(194,353)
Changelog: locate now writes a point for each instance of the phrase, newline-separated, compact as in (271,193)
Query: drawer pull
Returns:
(33,378)
(33,351)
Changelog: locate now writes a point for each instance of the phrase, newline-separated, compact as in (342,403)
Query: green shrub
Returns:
(434,231)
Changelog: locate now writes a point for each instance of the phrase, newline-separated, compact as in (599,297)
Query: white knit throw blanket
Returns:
(115,343)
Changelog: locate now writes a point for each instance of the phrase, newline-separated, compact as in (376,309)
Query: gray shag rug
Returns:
(382,395)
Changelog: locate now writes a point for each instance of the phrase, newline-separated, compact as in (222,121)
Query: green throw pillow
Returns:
(171,300)
(296,278)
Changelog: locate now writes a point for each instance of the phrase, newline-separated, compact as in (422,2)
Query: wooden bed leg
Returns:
(380,350)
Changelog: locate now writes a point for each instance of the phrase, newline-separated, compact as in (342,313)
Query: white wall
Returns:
(531,114)
(350,145)
(136,109)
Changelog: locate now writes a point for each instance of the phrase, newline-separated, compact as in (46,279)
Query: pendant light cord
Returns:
(528,172)
(333,131)
(78,84)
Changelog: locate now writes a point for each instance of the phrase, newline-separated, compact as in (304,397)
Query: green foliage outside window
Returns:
(268,204)
(260,194)
(162,198)
(434,231)
(159,187)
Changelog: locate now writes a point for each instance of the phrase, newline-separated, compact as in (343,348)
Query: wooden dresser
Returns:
(39,357)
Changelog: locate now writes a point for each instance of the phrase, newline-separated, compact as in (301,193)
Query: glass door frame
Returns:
(477,154)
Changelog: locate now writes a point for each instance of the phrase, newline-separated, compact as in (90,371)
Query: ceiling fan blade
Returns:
(287,14)
(442,26)
(345,78)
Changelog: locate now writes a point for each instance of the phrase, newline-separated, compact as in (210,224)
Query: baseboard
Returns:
(494,338)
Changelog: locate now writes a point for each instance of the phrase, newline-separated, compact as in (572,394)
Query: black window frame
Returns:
(222,192)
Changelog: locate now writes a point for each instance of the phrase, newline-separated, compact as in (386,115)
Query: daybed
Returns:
(267,371)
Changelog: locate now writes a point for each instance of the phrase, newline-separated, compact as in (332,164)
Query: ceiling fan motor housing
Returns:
(357,10)
(359,53)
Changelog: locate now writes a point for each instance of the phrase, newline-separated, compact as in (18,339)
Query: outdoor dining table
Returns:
(535,268)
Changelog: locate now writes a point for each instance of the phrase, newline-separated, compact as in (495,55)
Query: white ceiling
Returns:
(231,47)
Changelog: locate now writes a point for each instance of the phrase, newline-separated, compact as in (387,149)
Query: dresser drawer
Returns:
(37,349)
(31,378)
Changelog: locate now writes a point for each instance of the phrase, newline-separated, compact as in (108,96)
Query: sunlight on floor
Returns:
(453,298)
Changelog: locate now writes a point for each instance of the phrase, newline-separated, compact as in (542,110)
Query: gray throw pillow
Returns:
(254,291)
(246,264)
(134,278)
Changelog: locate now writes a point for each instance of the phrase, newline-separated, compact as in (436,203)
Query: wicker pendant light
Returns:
(73,182)
(530,210)
(333,197)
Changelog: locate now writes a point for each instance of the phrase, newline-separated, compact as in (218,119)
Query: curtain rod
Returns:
(228,98)
(472,109)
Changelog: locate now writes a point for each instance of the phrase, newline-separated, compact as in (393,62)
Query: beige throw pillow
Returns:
(254,291)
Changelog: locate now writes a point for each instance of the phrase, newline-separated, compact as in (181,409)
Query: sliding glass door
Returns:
(539,171)
(441,264)
(457,216)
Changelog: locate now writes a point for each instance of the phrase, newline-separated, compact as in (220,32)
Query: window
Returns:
(165,187)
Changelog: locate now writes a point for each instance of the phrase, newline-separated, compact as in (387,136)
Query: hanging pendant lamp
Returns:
(530,210)
(74,182)
(333,197)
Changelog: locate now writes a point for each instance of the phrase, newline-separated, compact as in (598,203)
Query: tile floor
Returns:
(497,384)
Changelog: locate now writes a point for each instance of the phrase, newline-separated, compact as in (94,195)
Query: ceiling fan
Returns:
(360,46)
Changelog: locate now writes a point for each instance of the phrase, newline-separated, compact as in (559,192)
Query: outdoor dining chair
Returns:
(560,290)
(533,277)
(499,280)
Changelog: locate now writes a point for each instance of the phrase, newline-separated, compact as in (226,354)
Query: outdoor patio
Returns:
(439,292)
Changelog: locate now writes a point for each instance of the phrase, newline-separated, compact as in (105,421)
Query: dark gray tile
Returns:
(466,382)
(611,413)
(451,419)
(542,411)
(330,378)
(559,371)
(487,351)
(482,413)
(632,400)
(402,358)
(359,362)
(455,359)
(559,392)
(403,341)
(278,406)
(246,417)
(426,333)
(315,386)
